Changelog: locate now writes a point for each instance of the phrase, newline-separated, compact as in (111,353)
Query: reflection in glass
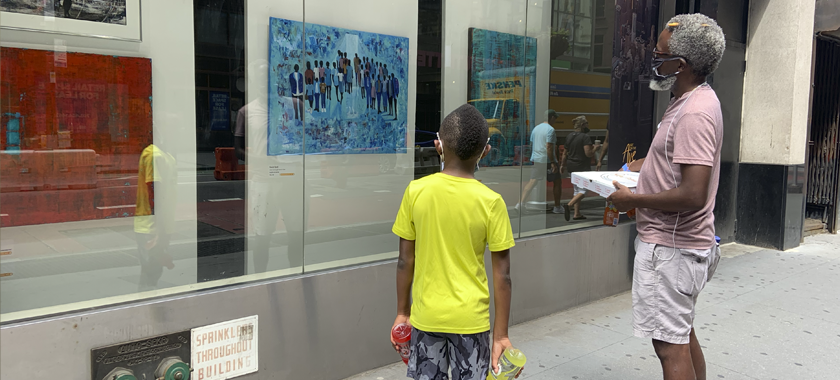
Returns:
(154,217)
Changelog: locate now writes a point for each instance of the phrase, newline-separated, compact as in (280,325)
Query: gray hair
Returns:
(698,39)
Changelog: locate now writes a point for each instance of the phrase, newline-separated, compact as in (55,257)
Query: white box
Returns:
(602,182)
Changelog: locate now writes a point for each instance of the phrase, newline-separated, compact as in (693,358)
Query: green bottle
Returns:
(510,364)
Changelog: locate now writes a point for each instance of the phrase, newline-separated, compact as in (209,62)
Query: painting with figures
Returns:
(335,90)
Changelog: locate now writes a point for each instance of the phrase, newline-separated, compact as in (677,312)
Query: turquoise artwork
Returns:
(335,91)
(502,86)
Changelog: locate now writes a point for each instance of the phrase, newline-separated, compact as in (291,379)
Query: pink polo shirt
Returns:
(694,138)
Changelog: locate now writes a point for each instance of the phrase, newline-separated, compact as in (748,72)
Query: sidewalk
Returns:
(765,315)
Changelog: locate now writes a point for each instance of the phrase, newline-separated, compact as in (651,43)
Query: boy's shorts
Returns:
(432,354)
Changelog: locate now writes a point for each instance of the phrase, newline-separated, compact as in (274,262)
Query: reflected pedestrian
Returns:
(577,157)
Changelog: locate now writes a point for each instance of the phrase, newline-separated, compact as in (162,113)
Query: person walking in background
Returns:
(444,223)
(577,157)
(543,148)
(298,91)
(676,250)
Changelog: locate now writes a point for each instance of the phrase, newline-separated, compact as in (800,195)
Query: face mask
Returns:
(657,62)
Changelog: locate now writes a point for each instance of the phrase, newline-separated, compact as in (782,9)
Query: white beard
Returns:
(663,84)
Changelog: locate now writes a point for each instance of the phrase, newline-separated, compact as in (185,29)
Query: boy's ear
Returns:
(486,151)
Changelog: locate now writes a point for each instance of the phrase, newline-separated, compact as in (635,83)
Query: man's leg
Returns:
(697,357)
(675,359)
(557,190)
(527,190)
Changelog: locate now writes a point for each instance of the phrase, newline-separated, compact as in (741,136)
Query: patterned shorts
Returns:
(432,355)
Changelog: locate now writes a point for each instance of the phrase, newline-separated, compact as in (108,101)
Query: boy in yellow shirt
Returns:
(445,222)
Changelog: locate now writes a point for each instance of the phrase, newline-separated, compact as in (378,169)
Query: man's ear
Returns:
(684,67)
(438,147)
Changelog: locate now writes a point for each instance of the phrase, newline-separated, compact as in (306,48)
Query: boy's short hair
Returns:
(465,132)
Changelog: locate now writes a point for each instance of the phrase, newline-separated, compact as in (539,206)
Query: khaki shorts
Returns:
(666,283)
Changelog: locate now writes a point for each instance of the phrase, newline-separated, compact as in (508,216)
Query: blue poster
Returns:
(219,111)
(345,93)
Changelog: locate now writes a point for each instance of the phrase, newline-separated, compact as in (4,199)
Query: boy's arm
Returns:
(405,277)
(502,290)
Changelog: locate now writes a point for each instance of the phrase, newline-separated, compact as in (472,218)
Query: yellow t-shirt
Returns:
(159,167)
(452,220)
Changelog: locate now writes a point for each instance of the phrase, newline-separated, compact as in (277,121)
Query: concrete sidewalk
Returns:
(765,315)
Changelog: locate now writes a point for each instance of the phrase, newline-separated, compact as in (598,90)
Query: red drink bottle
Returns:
(402,335)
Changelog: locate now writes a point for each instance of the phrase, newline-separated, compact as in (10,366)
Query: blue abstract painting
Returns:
(340,92)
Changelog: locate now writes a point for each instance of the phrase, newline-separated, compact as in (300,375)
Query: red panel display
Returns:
(71,123)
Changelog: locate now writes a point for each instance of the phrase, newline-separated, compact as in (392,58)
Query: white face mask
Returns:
(441,152)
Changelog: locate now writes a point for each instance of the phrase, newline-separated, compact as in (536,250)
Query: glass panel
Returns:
(277,206)
(99,185)
(575,91)
(358,126)
(490,64)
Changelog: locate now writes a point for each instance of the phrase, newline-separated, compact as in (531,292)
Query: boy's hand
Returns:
(499,346)
(401,318)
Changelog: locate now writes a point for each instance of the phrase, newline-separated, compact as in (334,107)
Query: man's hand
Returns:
(401,318)
(622,198)
(554,167)
(598,166)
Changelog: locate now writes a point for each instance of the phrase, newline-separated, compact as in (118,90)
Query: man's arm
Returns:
(405,277)
(501,290)
(690,195)
(636,165)
(589,150)
(603,152)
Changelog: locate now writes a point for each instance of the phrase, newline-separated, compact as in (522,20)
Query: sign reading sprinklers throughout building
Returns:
(225,350)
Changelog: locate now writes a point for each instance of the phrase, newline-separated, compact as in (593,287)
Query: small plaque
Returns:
(225,350)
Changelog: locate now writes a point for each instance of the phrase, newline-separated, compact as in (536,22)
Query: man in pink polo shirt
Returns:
(676,252)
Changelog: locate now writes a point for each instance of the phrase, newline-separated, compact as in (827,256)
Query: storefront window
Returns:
(152,150)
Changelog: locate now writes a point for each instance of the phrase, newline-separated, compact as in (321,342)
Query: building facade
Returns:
(173,165)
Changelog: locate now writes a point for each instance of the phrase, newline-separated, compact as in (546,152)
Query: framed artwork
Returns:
(115,19)
(343,92)
(502,86)
(72,127)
